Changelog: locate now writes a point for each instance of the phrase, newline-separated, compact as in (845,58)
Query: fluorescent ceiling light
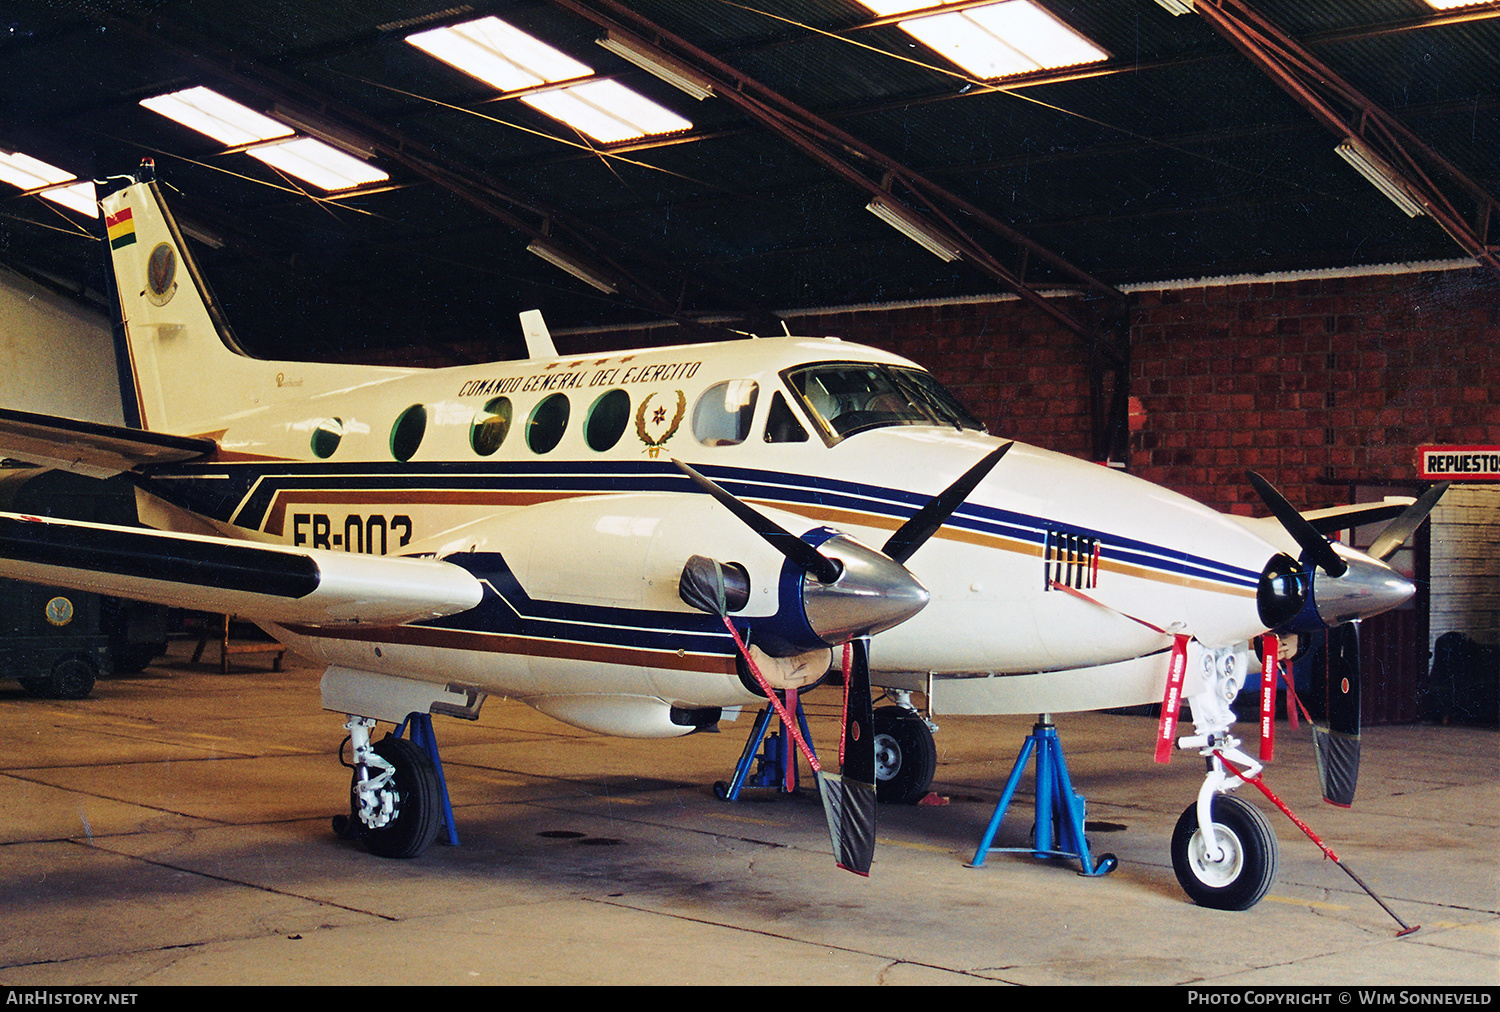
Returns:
(1448,5)
(1379,172)
(498,54)
(909,225)
(223,119)
(557,258)
(319,164)
(1177,7)
(995,40)
(649,60)
(510,60)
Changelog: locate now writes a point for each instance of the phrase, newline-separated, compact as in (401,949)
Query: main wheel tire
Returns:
(905,756)
(1248,868)
(418,802)
(70,678)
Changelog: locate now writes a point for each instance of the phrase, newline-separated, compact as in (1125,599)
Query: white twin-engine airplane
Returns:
(636,542)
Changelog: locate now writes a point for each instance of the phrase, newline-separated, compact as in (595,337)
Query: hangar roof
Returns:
(1177,155)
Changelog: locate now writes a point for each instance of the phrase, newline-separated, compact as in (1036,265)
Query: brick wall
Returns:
(1306,381)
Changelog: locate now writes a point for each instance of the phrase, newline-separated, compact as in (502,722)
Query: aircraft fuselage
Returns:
(553,482)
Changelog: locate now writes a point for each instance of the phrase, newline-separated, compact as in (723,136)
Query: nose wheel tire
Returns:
(416,796)
(905,756)
(1247,867)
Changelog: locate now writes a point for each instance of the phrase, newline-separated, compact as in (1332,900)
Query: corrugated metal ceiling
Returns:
(1175,158)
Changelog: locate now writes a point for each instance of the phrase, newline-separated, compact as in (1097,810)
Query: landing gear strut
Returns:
(1223,850)
(395,796)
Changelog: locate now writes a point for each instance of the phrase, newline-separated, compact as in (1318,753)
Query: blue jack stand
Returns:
(422,736)
(774,762)
(1056,804)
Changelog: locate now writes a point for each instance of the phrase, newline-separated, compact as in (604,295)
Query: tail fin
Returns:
(180,366)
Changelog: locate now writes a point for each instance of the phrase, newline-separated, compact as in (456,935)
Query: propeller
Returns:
(854,591)
(802,555)
(1341,587)
(1404,526)
(1314,545)
(928,520)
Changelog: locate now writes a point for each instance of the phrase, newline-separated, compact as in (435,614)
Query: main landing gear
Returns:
(1223,850)
(905,755)
(398,798)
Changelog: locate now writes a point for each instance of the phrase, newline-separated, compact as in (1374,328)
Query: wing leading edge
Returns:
(259,582)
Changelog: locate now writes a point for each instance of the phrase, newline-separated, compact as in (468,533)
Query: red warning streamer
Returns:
(1270,649)
(1166,734)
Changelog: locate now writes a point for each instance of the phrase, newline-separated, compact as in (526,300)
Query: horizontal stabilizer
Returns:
(264,583)
(91,448)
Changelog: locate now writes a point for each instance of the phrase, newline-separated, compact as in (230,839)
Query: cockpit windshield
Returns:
(849,397)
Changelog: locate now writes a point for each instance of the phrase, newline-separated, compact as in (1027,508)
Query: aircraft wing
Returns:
(91,448)
(261,582)
(1341,518)
(1331,520)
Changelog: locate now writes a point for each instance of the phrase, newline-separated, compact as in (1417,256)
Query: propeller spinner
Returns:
(852,590)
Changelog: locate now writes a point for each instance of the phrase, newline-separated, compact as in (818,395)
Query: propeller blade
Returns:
(1313,544)
(849,795)
(1336,748)
(1404,526)
(802,555)
(930,518)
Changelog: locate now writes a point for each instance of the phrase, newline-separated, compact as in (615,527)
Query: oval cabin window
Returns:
(407,433)
(549,420)
(491,426)
(326,437)
(607,420)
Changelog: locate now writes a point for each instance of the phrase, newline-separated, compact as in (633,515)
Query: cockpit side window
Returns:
(781,425)
(848,397)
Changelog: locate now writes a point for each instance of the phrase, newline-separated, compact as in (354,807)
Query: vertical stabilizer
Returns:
(181,370)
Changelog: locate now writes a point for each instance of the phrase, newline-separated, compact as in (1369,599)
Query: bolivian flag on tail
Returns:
(121,228)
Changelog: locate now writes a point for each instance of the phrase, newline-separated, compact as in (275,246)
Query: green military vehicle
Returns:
(56,642)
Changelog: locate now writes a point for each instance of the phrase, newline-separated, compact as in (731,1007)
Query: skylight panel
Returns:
(607,111)
(499,54)
(320,164)
(274,143)
(994,40)
(27,173)
(510,60)
(79,197)
(223,119)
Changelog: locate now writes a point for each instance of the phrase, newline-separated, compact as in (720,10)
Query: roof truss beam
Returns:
(862,166)
(1439,186)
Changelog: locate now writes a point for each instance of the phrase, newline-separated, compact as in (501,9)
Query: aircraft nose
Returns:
(872,593)
(1368,587)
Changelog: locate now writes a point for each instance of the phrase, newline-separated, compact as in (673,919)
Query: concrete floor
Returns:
(174,829)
